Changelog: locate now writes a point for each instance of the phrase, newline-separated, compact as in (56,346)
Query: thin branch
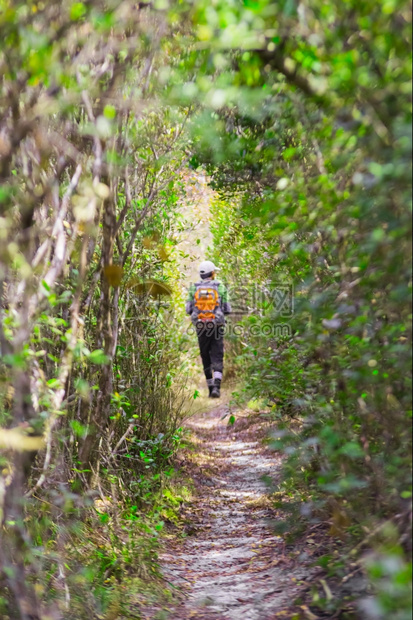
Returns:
(122,439)
(142,216)
(128,201)
(65,367)
(58,231)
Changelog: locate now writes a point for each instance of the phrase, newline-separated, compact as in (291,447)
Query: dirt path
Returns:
(230,566)
(195,240)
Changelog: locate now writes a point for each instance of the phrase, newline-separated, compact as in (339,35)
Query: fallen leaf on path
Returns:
(308,614)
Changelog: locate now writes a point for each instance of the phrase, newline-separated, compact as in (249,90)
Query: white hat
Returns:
(207,267)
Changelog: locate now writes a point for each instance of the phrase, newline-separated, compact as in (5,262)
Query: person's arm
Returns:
(189,306)
(223,293)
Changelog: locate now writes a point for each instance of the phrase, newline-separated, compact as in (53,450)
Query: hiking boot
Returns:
(210,384)
(215,392)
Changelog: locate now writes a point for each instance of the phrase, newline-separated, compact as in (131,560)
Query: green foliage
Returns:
(314,191)
(301,115)
(391,575)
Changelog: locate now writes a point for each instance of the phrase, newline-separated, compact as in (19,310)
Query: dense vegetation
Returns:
(301,114)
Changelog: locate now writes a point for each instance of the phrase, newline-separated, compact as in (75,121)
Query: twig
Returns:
(350,575)
(58,231)
(172,573)
(314,527)
(122,439)
(62,576)
(368,537)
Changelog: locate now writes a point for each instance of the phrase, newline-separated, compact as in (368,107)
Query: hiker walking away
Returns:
(207,305)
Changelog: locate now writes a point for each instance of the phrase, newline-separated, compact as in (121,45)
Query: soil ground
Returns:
(230,565)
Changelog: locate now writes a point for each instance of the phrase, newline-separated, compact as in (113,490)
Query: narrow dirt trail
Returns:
(230,566)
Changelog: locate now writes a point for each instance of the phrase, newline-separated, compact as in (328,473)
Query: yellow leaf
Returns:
(14,439)
(340,522)
(393,402)
(113,274)
(150,287)
(102,190)
(163,254)
(308,614)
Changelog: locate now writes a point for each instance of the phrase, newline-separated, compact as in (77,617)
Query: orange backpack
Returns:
(206,302)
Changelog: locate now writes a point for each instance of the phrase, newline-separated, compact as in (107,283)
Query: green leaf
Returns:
(53,383)
(79,429)
(46,288)
(352,449)
(98,357)
(109,111)
(15,361)
(77,11)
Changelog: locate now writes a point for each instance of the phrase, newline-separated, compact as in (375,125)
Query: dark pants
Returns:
(211,347)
